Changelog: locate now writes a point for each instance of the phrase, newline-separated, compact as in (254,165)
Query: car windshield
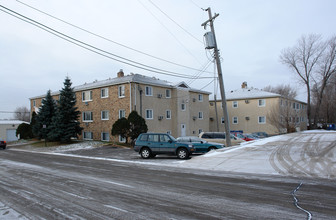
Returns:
(172,138)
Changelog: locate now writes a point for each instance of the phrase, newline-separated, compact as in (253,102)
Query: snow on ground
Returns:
(311,154)
(78,146)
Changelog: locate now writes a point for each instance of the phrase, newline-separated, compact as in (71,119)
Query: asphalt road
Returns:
(47,186)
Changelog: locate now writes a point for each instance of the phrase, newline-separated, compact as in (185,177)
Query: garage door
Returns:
(11,135)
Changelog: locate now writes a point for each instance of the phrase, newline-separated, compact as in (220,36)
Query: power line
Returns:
(186,49)
(95,49)
(175,22)
(107,39)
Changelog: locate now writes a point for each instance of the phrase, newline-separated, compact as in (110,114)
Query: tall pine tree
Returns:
(66,123)
(44,117)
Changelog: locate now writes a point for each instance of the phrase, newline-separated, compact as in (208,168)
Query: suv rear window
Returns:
(153,137)
(207,135)
(219,135)
(144,137)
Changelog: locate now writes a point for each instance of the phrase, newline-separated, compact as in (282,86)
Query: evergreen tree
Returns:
(66,123)
(44,117)
(130,127)
(24,130)
(121,127)
(34,125)
(137,125)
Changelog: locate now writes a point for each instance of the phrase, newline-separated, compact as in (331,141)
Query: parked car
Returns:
(150,144)
(246,137)
(3,144)
(260,134)
(219,137)
(201,146)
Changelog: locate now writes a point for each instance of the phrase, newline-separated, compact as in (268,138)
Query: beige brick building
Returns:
(175,109)
(253,110)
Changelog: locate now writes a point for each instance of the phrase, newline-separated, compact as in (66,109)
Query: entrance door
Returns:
(183,130)
(11,135)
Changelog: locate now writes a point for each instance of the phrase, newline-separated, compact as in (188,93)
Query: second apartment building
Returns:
(170,108)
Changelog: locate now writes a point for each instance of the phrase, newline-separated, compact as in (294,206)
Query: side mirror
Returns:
(170,141)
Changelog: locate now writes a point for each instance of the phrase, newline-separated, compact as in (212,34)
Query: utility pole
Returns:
(220,78)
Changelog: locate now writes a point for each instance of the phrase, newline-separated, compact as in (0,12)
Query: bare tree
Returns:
(284,90)
(22,113)
(324,107)
(303,59)
(283,116)
(327,69)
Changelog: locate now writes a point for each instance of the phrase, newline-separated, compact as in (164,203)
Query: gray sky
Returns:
(250,35)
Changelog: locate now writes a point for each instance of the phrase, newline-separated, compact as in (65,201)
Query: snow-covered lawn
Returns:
(309,153)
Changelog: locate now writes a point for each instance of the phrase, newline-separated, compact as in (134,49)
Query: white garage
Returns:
(8,129)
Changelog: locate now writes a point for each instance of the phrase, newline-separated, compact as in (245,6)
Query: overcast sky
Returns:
(250,35)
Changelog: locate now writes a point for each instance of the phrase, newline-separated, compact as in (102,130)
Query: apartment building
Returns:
(169,108)
(253,110)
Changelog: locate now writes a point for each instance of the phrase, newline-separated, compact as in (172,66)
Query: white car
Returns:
(219,137)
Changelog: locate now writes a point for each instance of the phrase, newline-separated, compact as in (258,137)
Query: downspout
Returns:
(140,92)
(130,97)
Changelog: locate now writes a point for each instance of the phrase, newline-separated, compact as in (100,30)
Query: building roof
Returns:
(12,122)
(134,78)
(249,93)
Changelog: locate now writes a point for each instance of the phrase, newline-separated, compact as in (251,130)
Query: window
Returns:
(200,97)
(149,91)
(200,115)
(87,135)
(104,115)
(104,93)
(222,120)
(122,113)
(183,107)
(105,136)
(168,132)
(261,102)
(34,103)
(87,116)
(200,131)
(121,91)
(168,93)
(235,120)
(87,96)
(149,113)
(261,120)
(164,138)
(235,104)
(122,139)
(168,114)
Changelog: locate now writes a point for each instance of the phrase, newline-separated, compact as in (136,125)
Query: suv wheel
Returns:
(182,153)
(211,148)
(145,153)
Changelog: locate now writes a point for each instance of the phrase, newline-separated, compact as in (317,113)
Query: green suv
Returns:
(150,144)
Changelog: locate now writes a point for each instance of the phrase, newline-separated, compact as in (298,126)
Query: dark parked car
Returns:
(150,144)
(202,146)
(3,144)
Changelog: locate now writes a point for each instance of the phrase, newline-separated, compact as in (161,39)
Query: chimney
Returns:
(244,85)
(120,73)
